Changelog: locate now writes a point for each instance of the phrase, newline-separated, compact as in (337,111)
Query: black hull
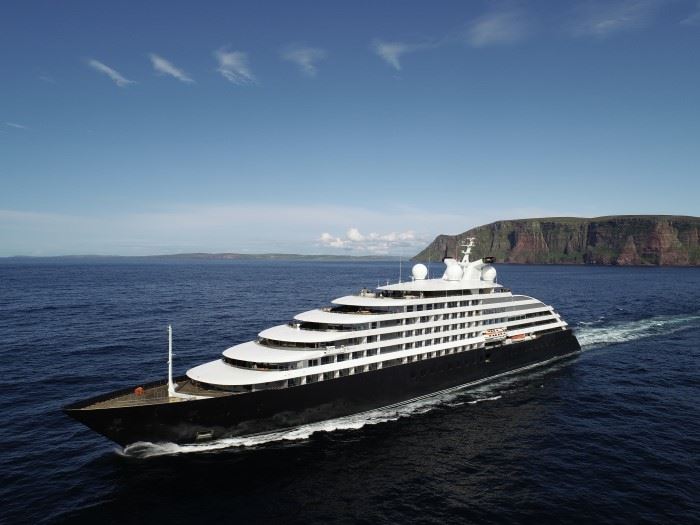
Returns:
(269,410)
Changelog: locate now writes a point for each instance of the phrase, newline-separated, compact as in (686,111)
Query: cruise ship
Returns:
(373,349)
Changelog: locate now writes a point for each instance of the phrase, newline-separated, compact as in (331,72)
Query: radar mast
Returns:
(471,242)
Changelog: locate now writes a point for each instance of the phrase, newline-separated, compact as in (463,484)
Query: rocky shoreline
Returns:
(622,240)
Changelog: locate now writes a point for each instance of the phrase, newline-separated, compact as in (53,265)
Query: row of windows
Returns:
(323,327)
(376,310)
(329,359)
(410,294)
(275,343)
(338,358)
(326,376)
(404,346)
(312,378)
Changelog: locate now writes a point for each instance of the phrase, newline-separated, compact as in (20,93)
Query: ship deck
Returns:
(153,395)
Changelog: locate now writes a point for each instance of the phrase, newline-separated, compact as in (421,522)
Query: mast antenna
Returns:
(171,385)
(471,242)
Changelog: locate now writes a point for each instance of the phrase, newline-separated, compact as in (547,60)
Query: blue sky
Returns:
(326,127)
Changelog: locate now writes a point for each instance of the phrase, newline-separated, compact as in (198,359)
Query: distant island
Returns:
(209,257)
(624,240)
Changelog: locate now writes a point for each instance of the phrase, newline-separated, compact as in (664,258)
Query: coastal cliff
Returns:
(625,240)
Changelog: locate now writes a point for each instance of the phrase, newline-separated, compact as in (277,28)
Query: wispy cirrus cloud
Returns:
(391,52)
(374,243)
(503,26)
(604,18)
(233,66)
(165,67)
(115,75)
(16,126)
(694,18)
(305,57)
(499,27)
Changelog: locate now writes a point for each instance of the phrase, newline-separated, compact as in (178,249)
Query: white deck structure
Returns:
(394,325)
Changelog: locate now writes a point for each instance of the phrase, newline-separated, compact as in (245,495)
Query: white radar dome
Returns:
(419,272)
(488,273)
(453,272)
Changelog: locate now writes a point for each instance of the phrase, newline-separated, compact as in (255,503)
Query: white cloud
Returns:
(332,242)
(355,235)
(165,67)
(391,52)
(694,18)
(604,18)
(117,77)
(498,27)
(15,125)
(305,57)
(374,243)
(233,66)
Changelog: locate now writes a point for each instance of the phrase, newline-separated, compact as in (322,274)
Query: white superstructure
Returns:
(465,309)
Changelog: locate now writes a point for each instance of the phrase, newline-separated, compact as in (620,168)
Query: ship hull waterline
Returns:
(263,411)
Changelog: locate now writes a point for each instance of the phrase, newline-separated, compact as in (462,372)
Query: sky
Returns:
(356,127)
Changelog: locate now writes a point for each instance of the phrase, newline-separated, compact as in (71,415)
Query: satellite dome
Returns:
(453,272)
(419,272)
(488,273)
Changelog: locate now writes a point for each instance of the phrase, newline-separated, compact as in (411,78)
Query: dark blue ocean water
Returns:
(612,435)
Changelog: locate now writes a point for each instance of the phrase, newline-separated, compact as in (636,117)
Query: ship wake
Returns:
(591,336)
(301,433)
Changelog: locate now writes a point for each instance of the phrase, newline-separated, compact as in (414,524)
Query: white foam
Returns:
(592,337)
(481,400)
(143,449)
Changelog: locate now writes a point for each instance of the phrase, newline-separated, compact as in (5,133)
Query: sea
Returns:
(611,435)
